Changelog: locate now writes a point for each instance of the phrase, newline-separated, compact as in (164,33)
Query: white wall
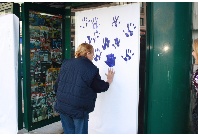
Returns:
(9,48)
(115,34)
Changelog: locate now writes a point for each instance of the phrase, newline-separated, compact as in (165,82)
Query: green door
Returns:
(44,46)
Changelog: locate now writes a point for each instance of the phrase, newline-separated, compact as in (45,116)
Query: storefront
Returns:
(165,64)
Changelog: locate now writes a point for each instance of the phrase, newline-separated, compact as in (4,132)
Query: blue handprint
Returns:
(97,57)
(129,30)
(106,42)
(84,20)
(115,21)
(117,42)
(90,39)
(110,60)
(128,55)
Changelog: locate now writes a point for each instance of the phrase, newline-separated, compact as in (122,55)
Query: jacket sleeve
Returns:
(99,85)
(195,77)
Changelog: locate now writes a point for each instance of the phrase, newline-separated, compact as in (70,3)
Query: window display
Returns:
(45,62)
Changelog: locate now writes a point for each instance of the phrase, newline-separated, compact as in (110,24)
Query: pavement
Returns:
(54,128)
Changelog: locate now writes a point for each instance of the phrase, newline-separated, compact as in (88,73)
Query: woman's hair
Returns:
(83,49)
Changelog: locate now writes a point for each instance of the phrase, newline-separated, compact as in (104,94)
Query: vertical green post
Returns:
(26,64)
(169,45)
(67,33)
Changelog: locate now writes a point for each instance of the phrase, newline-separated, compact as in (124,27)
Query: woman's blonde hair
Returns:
(83,49)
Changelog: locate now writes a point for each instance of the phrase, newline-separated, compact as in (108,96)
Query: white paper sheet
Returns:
(9,48)
(115,34)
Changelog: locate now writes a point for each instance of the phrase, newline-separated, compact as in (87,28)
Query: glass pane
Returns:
(45,62)
(141,22)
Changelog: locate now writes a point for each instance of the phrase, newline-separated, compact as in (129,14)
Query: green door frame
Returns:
(29,125)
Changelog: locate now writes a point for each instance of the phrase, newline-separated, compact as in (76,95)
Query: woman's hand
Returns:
(110,75)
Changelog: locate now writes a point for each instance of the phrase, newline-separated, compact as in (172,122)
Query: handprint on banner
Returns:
(84,20)
(95,33)
(110,60)
(129,30)
(94,24)
(106,42)
(115,21)
(128,55)
(90,39)
(98,54)
(117,42)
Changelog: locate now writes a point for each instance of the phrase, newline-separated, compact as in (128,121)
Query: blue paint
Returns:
(94,23)
(98,54)
(128,55)
(95,32)
(106,42)
(85,20)
(129,29)
(95,26)
(110,60)
(88,37)
(130,32)
(117,42)
(91,39)
(126,34)
(115,21)
(94,40)
(134,26)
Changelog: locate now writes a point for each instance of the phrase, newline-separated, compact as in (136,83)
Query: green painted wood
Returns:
(67,30)
(168,70)
(26,65)
(45,9)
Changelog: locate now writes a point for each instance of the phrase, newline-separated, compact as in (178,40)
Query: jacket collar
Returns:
(84,58)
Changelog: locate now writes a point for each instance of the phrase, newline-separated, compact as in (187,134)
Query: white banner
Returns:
(9,48)
(115,34)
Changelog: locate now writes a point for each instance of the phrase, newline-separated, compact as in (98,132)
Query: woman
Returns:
(76,89)
(195,84)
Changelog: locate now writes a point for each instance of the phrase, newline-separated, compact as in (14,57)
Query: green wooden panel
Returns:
(168,72)
(67,36)
(26,66)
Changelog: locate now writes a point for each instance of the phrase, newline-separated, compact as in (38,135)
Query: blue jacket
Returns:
(77,86)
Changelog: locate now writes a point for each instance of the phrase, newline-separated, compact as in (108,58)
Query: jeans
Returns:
(74,125)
